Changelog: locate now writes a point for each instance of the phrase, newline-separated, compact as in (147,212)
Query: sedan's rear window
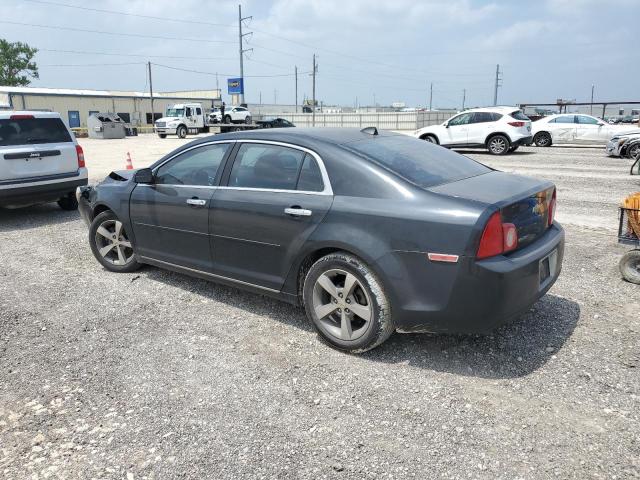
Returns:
(31,131)
(417,161)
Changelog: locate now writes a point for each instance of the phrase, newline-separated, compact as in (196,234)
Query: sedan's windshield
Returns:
(175,112)
(417,161)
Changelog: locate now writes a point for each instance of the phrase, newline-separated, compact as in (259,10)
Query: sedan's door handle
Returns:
(196,202)
(298,212)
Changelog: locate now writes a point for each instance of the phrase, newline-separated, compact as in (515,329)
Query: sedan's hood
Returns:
(627,133)
(493,188)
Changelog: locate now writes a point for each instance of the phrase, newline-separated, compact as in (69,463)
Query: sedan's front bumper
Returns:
(470,296)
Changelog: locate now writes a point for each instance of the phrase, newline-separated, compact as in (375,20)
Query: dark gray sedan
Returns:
(371,232)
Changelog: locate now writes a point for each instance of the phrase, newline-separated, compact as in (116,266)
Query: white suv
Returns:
(236,115)
(498,129)
(40,160)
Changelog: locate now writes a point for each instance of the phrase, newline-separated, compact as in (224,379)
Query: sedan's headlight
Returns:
(622,141)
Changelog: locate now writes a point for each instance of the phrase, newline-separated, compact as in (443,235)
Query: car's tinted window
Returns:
(463,119)
(194,167)
(198,111)
(310,179)
(266,166)
(518,115)
(31,131)
(483,117)
(563,119)
(584,120)
(418,161)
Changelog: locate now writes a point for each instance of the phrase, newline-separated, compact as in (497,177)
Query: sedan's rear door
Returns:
(274,198)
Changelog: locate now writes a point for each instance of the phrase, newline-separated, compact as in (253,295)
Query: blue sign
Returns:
(235,86)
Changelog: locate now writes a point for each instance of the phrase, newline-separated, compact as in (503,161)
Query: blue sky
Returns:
(393,50)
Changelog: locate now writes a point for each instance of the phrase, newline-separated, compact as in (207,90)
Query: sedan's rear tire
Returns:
(630,266)
(542,139)
(430,139)
(111,245)
(498,145)
(346,303)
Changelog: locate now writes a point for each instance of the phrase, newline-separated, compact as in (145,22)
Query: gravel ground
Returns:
(158,375)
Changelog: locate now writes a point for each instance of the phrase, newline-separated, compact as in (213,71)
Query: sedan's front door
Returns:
(171,216)
(591,130)
(275,198)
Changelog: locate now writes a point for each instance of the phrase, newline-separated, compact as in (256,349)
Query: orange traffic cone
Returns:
(129,164)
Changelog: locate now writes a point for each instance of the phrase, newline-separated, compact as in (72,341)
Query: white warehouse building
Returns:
(75,106)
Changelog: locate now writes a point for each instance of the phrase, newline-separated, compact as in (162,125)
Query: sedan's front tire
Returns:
(346,303)
(111,244)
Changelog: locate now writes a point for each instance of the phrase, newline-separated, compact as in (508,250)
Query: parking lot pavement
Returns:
(158,375)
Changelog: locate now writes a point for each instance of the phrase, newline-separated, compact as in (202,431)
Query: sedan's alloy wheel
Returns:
(113,244)
(342,305)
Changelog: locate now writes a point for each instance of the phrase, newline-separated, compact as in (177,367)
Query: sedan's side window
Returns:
(266,166)
(198,166)
(564,119)
(584,120)
(310,179)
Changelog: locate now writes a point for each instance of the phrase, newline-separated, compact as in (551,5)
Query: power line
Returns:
(116,54)
(118,34)
(114,12)
(91,64)
(224,74)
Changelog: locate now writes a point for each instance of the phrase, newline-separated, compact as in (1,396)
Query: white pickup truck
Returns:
(182,118)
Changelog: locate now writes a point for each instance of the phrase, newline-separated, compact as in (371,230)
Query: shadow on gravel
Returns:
(485,152)
(513,350)
(26,218)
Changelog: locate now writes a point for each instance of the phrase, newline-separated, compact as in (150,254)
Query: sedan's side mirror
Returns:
(446,124)
(144,175)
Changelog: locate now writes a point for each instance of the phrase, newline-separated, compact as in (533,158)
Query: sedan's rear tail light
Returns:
(21,117)
(80,154)
(497,237)
(492,241)
(551,214)
(517,124)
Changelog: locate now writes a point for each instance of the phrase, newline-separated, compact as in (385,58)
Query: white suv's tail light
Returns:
(517,124)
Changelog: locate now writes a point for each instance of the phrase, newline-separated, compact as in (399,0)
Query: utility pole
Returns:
(153,115)
(464,96)
(275,96)
(374,99)
(495,91)
(431,96)
(296,69)
(313,100)
(591,109)
(242,51)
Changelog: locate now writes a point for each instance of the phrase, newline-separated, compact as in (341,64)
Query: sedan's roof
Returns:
(304,136)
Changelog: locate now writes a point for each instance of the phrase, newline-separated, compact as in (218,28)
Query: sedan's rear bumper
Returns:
(472,296)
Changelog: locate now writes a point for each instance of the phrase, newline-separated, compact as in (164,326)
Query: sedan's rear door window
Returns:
(266,166)
(417,161)
(310,179)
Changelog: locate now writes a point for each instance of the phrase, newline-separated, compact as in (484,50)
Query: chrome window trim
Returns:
(213,142)
(323,171)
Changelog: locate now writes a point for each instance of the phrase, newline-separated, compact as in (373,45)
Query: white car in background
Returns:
(574,128)
(624,144)
(498,129)
(40,160)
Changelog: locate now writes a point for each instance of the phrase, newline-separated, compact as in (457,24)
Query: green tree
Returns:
(16,65)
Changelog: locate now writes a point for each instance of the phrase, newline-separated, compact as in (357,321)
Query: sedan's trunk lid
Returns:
(523,201)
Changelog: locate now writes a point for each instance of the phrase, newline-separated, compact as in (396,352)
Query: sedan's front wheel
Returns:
(346,303)
(111,245)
